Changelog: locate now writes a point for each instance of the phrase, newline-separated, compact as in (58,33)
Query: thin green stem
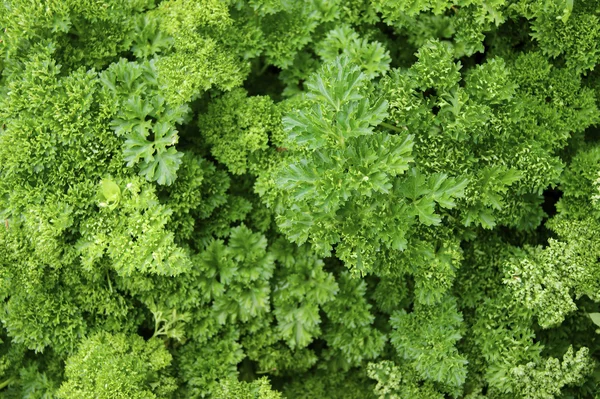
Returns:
(263,69)
(109,283)
(391,127)
(5,383)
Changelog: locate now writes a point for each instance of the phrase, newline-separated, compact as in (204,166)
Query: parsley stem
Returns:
(391,127)
(5,383)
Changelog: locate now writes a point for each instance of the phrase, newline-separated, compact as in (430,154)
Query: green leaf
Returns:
(595,318)
(414,186)
(425,209)
(164,135)
(109,194)
(163,168)
(137,148)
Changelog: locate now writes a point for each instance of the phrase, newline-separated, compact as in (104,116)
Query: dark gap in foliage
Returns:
(387,30)
(511,37)
(145,332)
(543,233)
(430,92)
(405,54)
(577,330)
(372,281)
(319,345)
(559,62)
(333,264)
(520,44)
(477,58)
(146,328)
(279,383)
(551,197)
(71,236)
(519,31)
(153,121)
(514,236)
(200,103)
(410,307)
(190,138)
(264,80)
(247,370)
(129,56)
(72,36)
(269,141)
(242,185)
(592,134)
(575,143)
(401,51)
(301,84)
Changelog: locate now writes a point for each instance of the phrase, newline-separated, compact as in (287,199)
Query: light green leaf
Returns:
(109,194)
(595,318)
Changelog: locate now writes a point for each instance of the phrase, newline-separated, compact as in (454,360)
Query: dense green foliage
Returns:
(270,199)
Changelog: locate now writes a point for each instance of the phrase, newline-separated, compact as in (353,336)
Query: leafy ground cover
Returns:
(270,199)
